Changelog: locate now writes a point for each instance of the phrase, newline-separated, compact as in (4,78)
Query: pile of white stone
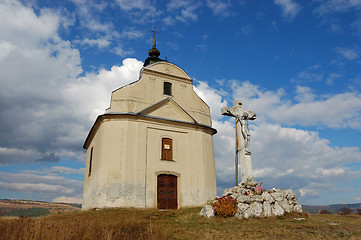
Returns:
(253,202)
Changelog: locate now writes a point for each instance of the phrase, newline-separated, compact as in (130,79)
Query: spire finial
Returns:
(154,52)
(154,36)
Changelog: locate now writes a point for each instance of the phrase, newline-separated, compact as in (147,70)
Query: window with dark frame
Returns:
(167,89)
(167,149)
(90,162)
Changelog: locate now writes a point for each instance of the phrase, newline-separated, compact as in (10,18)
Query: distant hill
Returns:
(333,208)
(34,208)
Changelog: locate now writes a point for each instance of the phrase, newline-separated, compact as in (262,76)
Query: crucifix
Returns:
(154,33)
(243,138)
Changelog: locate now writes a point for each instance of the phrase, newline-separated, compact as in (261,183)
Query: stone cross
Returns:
(243,138)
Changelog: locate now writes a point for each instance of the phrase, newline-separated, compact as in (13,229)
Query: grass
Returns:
(177,224)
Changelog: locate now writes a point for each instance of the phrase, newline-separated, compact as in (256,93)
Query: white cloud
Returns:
(289,8)
(184,10)
(247,30)
(331,171)
(65,170)
(36,187)
(330,6)
(349,54)
(131,34)
(47,183)
(100,42)
(310,74)
(128,5)
(169,20)
(212,97)
(64,199)
(15,155)
(220,8)
(54,106)
(310,109)
(314,189)
(122,52)
(332,77)
(304,94)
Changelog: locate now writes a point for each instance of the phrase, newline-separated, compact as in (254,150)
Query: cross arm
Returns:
(227,111)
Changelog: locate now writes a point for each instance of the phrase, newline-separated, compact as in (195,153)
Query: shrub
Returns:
(359,211)
(345,211)
(225,206)
(324,211)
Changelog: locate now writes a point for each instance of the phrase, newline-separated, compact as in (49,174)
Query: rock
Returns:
(249,183)
(274,202)
(297,208)
(267,197)
(267,211)
(207,211)
(241,208)
(257,198)
(277,196)
(290,194)
(277,210)
(284,204)
(228,191)
(244,199)
(255,209)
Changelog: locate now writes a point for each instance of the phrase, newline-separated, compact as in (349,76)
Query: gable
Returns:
(167,109)
(168,68)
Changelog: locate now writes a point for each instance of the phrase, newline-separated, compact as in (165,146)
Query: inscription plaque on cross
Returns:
(243,138)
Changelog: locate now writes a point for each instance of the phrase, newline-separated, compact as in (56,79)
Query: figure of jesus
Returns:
(242,130)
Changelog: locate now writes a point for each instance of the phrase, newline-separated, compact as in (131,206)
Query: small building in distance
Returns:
(153,147)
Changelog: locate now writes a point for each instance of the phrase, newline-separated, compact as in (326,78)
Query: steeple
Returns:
(153,52)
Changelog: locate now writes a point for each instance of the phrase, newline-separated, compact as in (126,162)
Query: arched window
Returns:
(167,149)
(167,88)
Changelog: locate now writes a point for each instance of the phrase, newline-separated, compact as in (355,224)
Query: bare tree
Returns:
(344,211)
(324,211)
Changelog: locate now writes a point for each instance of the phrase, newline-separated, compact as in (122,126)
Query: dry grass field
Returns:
(176,224)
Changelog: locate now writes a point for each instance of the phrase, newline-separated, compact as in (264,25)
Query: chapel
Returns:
(153,147)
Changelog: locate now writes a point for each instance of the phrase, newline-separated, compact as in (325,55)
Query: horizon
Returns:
(295,63)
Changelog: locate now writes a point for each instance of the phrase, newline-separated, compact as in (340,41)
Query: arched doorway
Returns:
(167,191)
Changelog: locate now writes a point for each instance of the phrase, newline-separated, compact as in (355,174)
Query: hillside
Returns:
(34,208)
(333,208)
(176,224)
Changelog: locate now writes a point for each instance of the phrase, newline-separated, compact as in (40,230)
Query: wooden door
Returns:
(167,192)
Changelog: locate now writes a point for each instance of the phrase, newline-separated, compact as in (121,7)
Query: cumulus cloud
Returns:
(55,107)
(305,108)
(212,97)
(289,8)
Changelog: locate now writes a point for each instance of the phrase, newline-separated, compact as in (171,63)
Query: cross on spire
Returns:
(154,31)
(154,36)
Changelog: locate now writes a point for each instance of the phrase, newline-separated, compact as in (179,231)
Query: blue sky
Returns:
(295,63)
